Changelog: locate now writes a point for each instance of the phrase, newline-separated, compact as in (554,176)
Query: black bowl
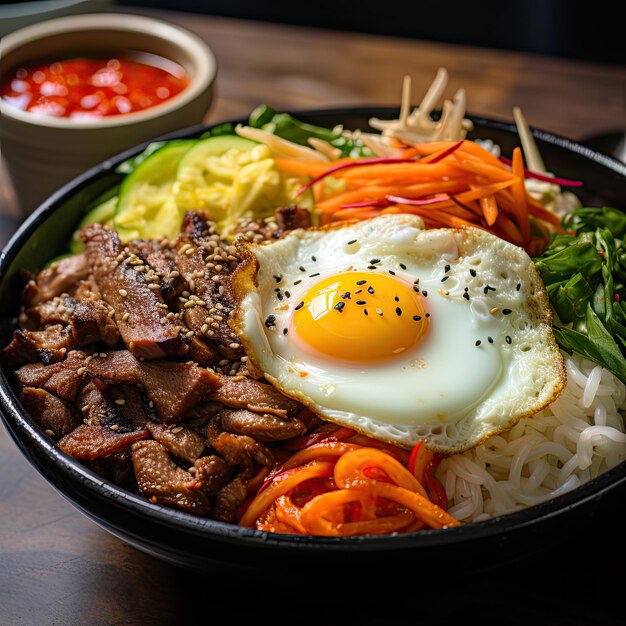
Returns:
(209,546)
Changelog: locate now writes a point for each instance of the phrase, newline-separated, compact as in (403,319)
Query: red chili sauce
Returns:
(90,87)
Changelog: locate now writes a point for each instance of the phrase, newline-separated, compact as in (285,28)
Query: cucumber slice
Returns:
(102,214)
(146,206)
(228,177)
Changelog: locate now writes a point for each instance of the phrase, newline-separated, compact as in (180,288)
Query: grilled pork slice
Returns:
(159,478)
(60,278)
(92,320)
(57,417)
(242,392)
(261,426)
(179,440)
(58,310)
(206,269)
(174,388)
(62,378)
(134,294)
(47,346)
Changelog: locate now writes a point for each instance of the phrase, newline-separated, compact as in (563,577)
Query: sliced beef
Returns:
(159,478)
(62,379)
(60,278)
(242,392)
(92,322)
(58,310)
(201,413)
(207,271)
(162,260)
(55,416)
(89,442)
(237,449)
(261,426)
(212,473)
(48,345)
(134,294)
(123,408)
(174,388)
(179,440)
(230,498)
(292,217)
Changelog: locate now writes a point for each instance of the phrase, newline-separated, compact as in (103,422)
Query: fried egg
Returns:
(401,333)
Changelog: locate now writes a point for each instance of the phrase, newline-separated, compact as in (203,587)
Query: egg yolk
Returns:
(361,316)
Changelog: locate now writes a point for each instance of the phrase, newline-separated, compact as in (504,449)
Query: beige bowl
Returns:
(42,153)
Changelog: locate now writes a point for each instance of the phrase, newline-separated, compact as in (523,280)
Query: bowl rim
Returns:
(157,28)
(18,422)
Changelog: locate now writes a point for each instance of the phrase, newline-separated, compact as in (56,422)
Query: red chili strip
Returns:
(442,154)
(565,182)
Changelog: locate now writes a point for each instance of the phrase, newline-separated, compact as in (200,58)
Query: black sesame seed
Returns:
(416,281)
(425,294)
(402,266)
(417,318)
(446,268)
(270,321)
(396,298)
(478,342)
(473,273)
(299,306)
(508,339)
(506,311)
(365,311)
(302,269)
(361,282)
(466,295)
(279,296)
(374,261)
(339,306)
(361,302)
(391,272)
(297,282)
(518,286)
(398,311)
(372,267)
(287,294)
(358,291)
(443,280)
(314,275)
(488,288)
(351,242)
(370,289)
(346,296)
(489,339)
(416,288)
(278,278)
(427,314)
(313,259)
(277,289)
(285,331)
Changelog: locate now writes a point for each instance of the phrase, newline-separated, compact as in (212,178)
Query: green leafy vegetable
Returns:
(584,276)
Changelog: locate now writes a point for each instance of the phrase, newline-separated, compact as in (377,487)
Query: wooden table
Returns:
(57,567)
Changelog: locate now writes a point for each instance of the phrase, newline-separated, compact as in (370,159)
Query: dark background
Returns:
(584,30)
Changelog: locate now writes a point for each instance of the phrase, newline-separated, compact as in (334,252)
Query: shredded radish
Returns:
(565,182)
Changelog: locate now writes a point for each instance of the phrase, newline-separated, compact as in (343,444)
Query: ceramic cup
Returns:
(41,152)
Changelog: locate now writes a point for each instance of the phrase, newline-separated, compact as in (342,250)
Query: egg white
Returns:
(488,359)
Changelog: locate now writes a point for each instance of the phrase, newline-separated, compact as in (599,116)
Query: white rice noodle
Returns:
(579,436)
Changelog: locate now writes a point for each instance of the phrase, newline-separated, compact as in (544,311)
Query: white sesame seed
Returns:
(123,293)
(120,401)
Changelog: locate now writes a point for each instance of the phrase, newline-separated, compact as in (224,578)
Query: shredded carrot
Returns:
(482,190)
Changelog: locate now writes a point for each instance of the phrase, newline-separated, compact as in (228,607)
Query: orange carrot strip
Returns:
(489,207)
(481,153)
(484,190)
(319,451)
(378,193)
(471,164)
(506,229)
